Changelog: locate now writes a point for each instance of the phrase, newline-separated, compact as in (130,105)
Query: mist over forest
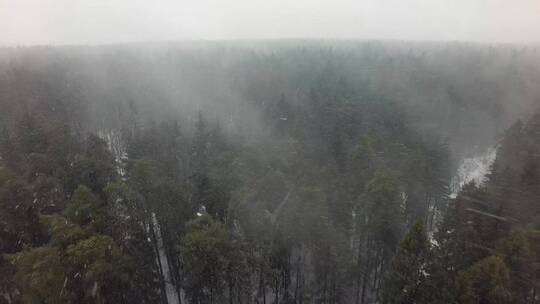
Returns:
(270,171)
(461,93)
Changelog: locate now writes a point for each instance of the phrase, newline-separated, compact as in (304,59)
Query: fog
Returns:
(213,152)
(30,22)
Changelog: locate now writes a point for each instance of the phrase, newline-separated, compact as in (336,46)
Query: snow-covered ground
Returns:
(170,290)
(118,148)
(474,168)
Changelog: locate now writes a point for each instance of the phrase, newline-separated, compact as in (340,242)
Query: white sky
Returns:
(27,22)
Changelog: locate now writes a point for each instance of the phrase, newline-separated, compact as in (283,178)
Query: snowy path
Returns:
(475,169)
(170,290)
(118,148)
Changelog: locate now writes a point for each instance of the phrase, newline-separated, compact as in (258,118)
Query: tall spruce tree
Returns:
(406,280)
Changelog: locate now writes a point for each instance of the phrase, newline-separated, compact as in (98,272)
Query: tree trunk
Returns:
(158,260)
(366,274)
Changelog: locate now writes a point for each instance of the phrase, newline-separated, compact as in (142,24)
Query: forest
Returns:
(275,172)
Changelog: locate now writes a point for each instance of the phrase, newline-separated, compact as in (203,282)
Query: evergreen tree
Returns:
(207,252)
(487,281)
(406,281)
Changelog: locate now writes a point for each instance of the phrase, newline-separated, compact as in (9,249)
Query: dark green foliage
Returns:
(211,260)
(84,207)
(19,222)
(487,281)
(94,169)
(279,175)
(485,252)
(384,210)
(521,258)
(407,279)
(75,267)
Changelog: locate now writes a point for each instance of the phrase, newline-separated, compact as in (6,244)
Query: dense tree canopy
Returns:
(282,174)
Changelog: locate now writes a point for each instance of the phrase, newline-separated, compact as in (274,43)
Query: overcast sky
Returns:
(27,22)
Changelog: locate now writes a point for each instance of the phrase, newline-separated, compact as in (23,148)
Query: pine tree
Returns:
(406,280)
(487,281)
(207,253)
